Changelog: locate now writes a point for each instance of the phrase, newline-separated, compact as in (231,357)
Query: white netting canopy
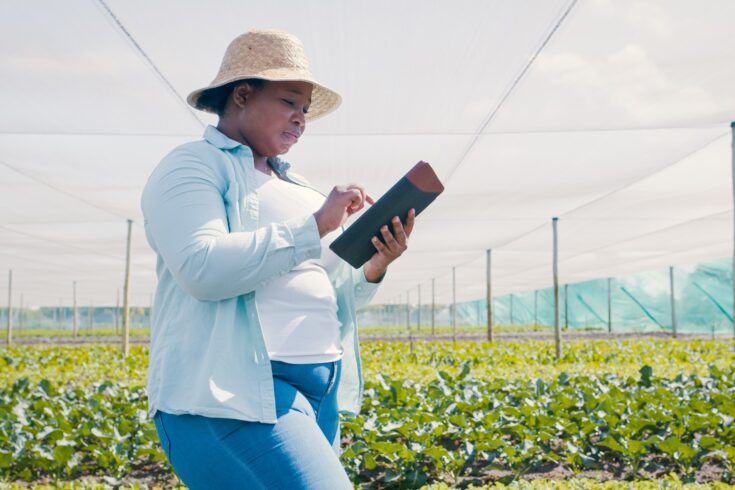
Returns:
(612,115)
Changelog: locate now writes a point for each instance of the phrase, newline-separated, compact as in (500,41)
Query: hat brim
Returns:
(323,100)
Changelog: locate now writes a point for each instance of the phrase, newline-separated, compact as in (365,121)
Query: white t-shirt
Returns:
(298,310)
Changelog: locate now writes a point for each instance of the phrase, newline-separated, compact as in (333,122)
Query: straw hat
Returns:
(270,55)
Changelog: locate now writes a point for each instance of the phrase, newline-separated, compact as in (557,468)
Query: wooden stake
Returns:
(433,298)
(557,329)
(9,333)
(117,312)
(408,321)
(489,293)
(673,302)
(566,307)
(454,304)
(732,128)
(418,311)
(511,309)
(126,296)
(74,308)
(408,310)
(609,304)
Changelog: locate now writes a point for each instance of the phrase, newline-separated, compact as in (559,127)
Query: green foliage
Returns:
(439,413)
(82,332)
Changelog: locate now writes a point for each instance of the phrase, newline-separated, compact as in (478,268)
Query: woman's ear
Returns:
(241,93)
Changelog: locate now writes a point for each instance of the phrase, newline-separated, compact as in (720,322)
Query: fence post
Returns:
(9,333)
(433,303)
(454,304)
(557,330)
(418,311)
(732,153)
(609,305)
(126,296)
(673,302)
(74,308)
(566,307)
(489,294)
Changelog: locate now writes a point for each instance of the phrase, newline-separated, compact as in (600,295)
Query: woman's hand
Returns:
(395,244)
(341,203)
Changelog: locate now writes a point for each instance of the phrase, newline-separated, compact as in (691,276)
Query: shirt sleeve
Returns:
(187,224)
(364,290)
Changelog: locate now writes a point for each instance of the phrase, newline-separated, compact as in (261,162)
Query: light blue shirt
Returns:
(207,353)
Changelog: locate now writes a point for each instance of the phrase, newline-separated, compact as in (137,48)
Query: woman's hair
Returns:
(215,99)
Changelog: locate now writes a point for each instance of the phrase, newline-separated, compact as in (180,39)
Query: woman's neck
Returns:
(260,161)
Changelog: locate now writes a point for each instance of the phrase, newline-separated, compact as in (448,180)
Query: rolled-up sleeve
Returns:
(187,224)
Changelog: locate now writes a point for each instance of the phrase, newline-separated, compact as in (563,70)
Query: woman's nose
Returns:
(299,118)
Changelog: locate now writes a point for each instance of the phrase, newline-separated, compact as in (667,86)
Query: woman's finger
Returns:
(356,200)
(379,246)
(399,232)
(390,241)
(361,190)
(408,228)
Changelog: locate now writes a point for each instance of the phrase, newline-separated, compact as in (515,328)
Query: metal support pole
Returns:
(732,127)
(535,308)
(74,308)
(408,310)
(673,302)
(418,312)
(489,293)
(126,296)
(408,321)
(117,312)
(433,301)
(609,304)
(566,307)
(511,309)
(557,330)
(398,311)
(454,304)
(9,333)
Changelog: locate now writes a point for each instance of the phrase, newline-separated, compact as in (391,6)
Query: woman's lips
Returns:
(291,137)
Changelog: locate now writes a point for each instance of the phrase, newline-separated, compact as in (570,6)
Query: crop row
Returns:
(80,366)
(455,428)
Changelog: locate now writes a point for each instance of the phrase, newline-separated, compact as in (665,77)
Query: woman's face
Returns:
(271,118)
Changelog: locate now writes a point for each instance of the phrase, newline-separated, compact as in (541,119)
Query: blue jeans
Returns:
(300,451)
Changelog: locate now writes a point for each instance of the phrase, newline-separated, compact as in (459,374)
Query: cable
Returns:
(150,62)
(61,245)
(507,93)
(60,190)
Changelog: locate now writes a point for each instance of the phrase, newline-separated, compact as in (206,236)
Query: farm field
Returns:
(656,412)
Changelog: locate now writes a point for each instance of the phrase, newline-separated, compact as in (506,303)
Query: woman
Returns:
(254,347)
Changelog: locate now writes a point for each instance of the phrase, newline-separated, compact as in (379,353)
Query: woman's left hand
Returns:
(395,244)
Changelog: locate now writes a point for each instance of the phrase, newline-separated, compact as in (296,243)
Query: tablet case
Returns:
(417,189)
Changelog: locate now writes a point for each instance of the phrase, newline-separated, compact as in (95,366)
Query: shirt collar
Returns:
(217,138)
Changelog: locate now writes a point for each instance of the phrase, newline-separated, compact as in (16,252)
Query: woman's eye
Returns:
(289,102)
(306,110)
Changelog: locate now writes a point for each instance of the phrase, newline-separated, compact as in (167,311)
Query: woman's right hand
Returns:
(341,203)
